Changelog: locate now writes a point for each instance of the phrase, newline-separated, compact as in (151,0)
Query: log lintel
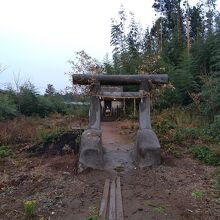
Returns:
(88,79)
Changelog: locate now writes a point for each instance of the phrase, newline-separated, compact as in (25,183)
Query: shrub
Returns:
(185,134)
(81,111)
(206,155)
(45,106)
(214,129)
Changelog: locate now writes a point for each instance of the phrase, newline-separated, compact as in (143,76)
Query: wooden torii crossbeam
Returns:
(147,149)
(86,79)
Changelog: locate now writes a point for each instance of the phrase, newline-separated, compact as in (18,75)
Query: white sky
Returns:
(37,37)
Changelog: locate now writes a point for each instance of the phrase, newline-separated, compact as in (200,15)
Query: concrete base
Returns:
(91,151)
(147,152)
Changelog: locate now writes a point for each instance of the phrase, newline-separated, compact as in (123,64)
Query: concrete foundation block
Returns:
(91,151)
(147,152)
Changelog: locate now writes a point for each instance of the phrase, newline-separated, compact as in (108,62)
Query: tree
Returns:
(168,31)
(27,99)
(7,107)
(210,99)
(196,23)
(133,47)
(210,8)
(50,90)
(85,64)
(118,42)
(118,35)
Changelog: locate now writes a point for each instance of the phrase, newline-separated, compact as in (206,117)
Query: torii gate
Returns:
(147,146)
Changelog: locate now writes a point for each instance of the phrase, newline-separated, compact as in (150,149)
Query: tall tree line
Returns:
(184,42)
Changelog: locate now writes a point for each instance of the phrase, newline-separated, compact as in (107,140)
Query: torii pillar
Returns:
(91,150)
(147,150)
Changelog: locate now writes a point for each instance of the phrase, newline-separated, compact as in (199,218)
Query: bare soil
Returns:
(181,188)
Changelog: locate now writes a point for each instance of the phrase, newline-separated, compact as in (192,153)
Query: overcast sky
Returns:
(37,37)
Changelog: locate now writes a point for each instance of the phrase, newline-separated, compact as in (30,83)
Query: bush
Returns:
(187,134)
(207,155)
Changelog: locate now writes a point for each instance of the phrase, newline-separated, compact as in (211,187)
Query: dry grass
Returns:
(27,129)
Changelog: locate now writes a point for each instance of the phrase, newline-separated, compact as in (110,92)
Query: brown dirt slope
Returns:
(181,188)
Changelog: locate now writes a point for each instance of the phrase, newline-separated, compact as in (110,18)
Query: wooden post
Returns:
(104,203)
(124,105)
(134,107)
(119,205)
(112,205)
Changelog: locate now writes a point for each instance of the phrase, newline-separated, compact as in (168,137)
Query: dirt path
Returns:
(112,133)
(118,146)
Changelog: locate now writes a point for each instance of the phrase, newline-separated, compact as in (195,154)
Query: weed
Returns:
(197,194)
(30,209)
(160,209)
(49,203)
(67,148)
(78,140)
(148,203)
(5,151)
(7,190)
(93,213)
(3,206)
